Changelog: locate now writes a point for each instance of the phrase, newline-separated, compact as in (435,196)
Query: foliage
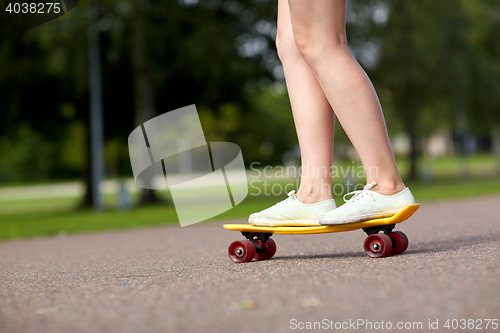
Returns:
(435,69)
(27,156)
(435,65)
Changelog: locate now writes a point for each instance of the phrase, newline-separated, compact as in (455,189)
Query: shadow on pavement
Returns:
(320,256)
(415,248)
(451,244)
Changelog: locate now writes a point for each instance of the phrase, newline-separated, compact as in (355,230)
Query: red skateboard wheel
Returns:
(399,242)
(377,245)
(241,251)
(269,252)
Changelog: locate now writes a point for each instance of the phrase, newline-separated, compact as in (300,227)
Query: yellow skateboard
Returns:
(260,246)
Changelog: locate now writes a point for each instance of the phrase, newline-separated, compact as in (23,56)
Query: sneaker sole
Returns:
(359,218)
(288,223)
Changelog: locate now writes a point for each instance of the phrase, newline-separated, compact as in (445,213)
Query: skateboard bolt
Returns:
(376,246)
(239,252)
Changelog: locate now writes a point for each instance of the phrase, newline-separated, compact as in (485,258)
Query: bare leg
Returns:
(319,31)
(313,115)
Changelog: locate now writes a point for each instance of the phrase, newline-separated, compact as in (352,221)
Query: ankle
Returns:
(389,187)
(311,196)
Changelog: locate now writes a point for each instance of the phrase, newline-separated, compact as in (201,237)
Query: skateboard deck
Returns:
(260,246)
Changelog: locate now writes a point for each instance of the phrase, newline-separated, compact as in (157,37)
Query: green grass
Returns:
(67,220)
(447,189)
(43,217)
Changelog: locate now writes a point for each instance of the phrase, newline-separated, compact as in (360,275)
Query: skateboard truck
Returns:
(258,239)
(375,230)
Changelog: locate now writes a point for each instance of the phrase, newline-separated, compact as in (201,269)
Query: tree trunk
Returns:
(87,179)
(143,85)
(495,146)
(413,154)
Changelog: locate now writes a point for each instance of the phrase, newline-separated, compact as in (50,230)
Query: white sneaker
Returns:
(292,212)
(367,205)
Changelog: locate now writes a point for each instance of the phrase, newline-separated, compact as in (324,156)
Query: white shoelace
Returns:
(290,195)
(356,195)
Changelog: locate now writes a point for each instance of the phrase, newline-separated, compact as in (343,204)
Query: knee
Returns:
(285,45)
(308,46)
(312,47)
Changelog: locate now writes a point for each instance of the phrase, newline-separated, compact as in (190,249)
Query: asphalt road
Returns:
(172,279)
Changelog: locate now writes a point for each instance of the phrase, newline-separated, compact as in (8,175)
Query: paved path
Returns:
(172,279)
(110,186)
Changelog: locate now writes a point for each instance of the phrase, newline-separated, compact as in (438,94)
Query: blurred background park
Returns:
(434,64)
